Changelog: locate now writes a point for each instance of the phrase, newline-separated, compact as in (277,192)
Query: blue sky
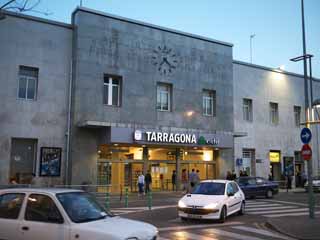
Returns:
(276,23)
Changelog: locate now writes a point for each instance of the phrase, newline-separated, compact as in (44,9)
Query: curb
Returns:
(279,230)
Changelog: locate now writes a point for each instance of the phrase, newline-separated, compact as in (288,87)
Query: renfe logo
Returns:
(171,137)
(138,135)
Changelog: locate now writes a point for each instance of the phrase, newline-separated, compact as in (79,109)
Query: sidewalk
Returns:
(302,228)
(293,190)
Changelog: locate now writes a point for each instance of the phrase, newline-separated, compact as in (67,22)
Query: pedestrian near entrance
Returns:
(173,180)
(161,181)
(148,181)
(229,175)
(192,179)
(140,184)
(184,180)
(197,178)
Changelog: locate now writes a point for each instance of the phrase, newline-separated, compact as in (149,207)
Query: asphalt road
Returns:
(251,226)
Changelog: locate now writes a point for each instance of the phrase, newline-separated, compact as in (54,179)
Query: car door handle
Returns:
(25,228)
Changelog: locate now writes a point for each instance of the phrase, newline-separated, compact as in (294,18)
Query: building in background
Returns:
(104,98)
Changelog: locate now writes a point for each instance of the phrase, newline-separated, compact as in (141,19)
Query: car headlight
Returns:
(181,204)
(211,206)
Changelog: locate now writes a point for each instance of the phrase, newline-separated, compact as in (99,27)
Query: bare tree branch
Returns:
(23,6)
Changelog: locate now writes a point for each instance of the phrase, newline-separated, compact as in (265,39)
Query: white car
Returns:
(63,214)
(212,199)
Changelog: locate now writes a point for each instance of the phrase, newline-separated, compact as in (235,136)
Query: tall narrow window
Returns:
(274,113)
(111,90)
(208,102)
(247,110)
(28,81)
(297,115)
(163,97)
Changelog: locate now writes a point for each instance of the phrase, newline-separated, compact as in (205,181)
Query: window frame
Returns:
(247,105)
(295,115)
(53,201)
(28,78)
(21,206)
(211,96)
(110,86)
(169,96)
(276,111)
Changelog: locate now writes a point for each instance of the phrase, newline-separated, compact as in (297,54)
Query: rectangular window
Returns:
(297,115)
(247,110)
(274,113)
(112,90)
(163,97)
(208,102)
(28,81)
(10,205)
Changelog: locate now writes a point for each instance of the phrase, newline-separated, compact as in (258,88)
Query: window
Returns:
(297,115)
(208,103)
(163,97)
(274,113)
(230,189)
(41,208)
(235,187)
(28,81)
(10,205)
(247,110)
(111,90)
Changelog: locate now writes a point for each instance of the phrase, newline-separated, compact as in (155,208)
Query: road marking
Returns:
(290,214)
(280,211)
(271,208)
(299,204)
(265,205)
(231,234)
(254,203)
(198,226)
(262,232)
(192,236)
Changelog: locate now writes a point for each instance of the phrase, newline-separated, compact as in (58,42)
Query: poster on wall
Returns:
(50,162)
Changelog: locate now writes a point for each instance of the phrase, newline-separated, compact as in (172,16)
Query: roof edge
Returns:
(37,19)
(170,30)
(272,69)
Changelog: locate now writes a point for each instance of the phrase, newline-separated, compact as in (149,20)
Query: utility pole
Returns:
(251,37)
(307,106)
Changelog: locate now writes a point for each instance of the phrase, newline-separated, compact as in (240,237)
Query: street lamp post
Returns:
(304,57)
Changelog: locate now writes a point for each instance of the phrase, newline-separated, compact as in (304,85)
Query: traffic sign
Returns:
(305,135)
(306,152)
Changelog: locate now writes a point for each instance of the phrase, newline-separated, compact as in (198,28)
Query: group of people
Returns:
(188,180)
(233,176)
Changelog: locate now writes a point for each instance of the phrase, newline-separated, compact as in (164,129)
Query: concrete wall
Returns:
(46,46)
(264,86)
(110,45)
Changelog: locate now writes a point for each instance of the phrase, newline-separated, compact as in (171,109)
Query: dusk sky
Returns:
(276,24)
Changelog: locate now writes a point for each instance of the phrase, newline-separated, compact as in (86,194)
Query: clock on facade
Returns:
(165,60)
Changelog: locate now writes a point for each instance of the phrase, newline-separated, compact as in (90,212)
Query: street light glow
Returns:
(189,113)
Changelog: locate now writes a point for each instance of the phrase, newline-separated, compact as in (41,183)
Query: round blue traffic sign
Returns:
(305,135)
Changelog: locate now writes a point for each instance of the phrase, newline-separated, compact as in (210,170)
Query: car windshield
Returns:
(81,207)
(210,188)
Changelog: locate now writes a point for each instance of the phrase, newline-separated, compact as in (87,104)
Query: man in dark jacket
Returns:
(148,181)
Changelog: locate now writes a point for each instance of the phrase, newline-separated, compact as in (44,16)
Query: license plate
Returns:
(194,216)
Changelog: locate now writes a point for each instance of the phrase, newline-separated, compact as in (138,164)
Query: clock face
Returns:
(165,60)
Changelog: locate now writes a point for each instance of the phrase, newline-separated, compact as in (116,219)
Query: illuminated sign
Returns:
(274,157)
(171,137)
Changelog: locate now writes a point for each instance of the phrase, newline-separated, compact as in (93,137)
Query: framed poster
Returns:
(50,162)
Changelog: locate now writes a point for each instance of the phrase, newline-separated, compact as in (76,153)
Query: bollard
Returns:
(149,200)
(126,198)
(107,201)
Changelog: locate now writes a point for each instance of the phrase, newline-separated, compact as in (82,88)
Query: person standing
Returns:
(173,179)
(148,181)
(192,179)
(161,182)
(197,177)
(184,180)
(140,184)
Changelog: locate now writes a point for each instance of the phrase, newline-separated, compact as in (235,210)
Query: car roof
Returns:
(217,181)
(39,190)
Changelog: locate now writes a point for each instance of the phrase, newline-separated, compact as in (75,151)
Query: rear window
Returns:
(209,188)
(10,205)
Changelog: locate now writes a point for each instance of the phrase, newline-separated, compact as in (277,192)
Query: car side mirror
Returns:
(230,194)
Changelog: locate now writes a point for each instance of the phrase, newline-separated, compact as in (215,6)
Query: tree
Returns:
(21,6)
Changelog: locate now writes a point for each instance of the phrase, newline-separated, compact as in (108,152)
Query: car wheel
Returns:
(269,193)
(223,214)
(242,208)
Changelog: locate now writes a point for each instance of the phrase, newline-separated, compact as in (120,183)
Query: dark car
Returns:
(257,186)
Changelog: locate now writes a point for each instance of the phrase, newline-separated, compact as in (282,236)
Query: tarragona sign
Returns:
(184,138)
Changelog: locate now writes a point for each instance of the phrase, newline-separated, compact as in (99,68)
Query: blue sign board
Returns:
(239,162)
(305,135)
